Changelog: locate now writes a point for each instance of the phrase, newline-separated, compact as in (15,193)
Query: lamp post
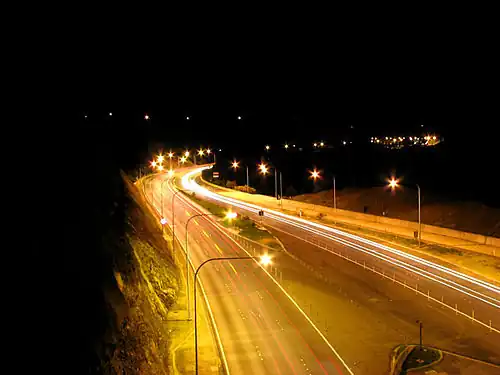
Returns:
(264,260)
(235,165)
(264,169)
(334,195)
(393,183)
(229,215)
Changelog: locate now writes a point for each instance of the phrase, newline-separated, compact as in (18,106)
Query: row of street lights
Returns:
(157,164)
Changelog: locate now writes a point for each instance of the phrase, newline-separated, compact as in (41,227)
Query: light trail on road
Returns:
(488,296)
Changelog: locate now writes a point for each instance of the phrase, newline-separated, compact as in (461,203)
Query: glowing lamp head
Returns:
(163,221)
(265,260)
(146,117)
(393,183)
(268,147)
(153,164)
(263,168)
(209,151)
(160,158)
(322,144)
(170,155)
(231,215)
(235,164)
(286,146)
(186,154)
(160,168)
(201,152)
(315,174)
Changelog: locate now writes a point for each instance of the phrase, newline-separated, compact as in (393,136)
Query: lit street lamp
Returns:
(263,260)
(264,169)
(268,147)
(230,216)
(315,174)
(393,184)
(235,165)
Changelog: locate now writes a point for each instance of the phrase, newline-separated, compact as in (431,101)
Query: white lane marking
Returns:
(187,183)
(217,226)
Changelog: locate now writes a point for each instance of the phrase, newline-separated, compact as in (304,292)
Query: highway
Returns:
(460,312)
(346,325)
(261,329)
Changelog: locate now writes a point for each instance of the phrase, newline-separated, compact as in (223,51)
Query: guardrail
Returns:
(256,249)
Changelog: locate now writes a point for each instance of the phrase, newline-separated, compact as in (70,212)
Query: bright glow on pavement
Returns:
(265,260)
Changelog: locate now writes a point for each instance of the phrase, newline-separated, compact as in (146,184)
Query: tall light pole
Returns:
(334,195)
(264,260)
(235,165)
(248,181)
(419,226)
(230,216)
(275,183)
(393,183)
(281,190)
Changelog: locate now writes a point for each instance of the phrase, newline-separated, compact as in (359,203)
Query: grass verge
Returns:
(243,224)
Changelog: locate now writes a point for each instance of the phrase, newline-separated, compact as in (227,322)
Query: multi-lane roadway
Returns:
(297,324)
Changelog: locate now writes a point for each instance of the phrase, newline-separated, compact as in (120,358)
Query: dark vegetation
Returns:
(82,303)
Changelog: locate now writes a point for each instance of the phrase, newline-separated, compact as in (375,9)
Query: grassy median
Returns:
(245,226)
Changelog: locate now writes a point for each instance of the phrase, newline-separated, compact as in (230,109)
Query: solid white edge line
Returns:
(216,225)
(212,318)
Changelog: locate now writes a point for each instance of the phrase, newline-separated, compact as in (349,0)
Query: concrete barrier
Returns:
(389,225)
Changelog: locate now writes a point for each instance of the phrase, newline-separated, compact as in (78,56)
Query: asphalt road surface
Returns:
(362,312)
(459,312)
(261,329)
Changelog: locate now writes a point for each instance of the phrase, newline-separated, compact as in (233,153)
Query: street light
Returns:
(263,168)
(268,147)
(230,216)
(160,159)
(183,159)
(186,154)
(315,174)
(201,152)
(153,164)
(286,145)
(235,165)
(393,184)
(264,260)
(146,117)
(160,168)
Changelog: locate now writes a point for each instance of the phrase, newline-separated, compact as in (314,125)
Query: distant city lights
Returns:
(403,141)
